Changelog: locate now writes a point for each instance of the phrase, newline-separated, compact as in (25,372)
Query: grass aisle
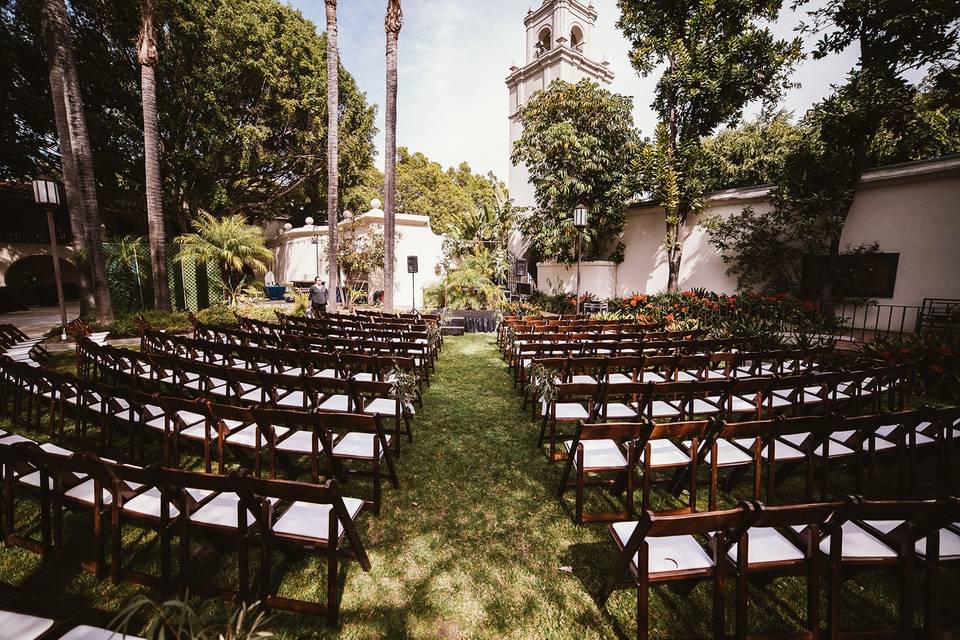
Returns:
(474,544)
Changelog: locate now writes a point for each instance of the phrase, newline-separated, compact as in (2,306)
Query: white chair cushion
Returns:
(294,399)
(664,453)
(728,454)
(784,451)
(798,439)
(599,454)
(84,632)
(311,520)
(618,378)
(662,409)
(571,411)
(23,627)
(357,444)
(858,543)
(301,442)
(83,492)
(667,553)
(617,410)
(949,545)
(189,418)
(147,503)
(338,402)
(381,407)
(221,511)
(247,437)
(766,544)
(706,406)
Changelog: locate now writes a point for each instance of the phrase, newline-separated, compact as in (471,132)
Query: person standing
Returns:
(318,297)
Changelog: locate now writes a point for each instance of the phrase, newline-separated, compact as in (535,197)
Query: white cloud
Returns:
(454,56)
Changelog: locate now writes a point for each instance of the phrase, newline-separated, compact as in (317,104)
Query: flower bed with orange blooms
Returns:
(936,358)
(719,313)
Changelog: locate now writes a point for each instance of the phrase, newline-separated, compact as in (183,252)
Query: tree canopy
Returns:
(716,57)
(579,144)
(241,99)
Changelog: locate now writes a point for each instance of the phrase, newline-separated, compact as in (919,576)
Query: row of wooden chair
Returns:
(871,390)
(420,352)
(282,358)
(236,509)
(624,457)
(115,390)
(829,540)
(672,368)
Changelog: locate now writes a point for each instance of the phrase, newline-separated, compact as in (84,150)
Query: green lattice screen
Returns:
(193,286)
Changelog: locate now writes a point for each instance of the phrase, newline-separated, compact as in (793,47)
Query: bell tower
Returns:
(559,46)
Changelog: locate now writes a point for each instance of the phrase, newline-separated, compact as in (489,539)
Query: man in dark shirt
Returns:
(318,297)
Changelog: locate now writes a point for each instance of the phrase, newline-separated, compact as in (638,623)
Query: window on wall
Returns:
(576,38)
(859,275)
(544,41)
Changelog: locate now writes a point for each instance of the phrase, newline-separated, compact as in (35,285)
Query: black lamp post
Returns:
(46,193)
(316,242)
(580,218)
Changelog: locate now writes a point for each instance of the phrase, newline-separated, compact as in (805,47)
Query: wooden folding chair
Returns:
(603,448)
(666,549)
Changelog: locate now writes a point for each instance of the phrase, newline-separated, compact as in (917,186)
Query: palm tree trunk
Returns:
(392,26)
(333,152)
(147,56)
(70,180)
(54,15)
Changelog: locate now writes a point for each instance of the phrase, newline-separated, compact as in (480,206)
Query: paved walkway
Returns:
(38,320)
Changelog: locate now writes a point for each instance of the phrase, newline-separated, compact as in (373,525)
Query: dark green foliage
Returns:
(749,155)
(716,57)
(580,145)
(241,97)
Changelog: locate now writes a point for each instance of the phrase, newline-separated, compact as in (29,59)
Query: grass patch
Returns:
(474,544)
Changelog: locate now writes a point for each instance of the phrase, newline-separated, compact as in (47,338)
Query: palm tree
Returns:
(56,24)
(392,25)
(147,56)
(70,179)
(228,242)
(333,152)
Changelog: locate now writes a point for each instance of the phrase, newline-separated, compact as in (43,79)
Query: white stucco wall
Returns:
(598,278)
(911,209)
(295,254)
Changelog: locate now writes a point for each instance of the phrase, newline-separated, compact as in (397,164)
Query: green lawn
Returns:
(474,544)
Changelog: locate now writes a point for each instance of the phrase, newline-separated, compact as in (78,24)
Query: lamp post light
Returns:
(308,221)
(46,193)
(580,218)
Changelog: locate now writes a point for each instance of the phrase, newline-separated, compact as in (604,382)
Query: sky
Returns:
(453,60)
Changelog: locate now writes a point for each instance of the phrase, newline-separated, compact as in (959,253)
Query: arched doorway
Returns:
(31,282)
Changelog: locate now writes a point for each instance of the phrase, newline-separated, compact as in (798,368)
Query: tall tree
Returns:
(70,180)
(892,38)
(147,55)
(580,145)
(55,22)
(333,152)
(392,25)
(717,58)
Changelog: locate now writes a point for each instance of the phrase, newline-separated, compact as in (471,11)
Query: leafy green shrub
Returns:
(124,326)
(470,286)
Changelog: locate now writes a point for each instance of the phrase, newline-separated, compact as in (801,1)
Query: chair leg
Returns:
(333,604)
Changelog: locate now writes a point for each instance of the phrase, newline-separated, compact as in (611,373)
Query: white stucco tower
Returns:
(559,46)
